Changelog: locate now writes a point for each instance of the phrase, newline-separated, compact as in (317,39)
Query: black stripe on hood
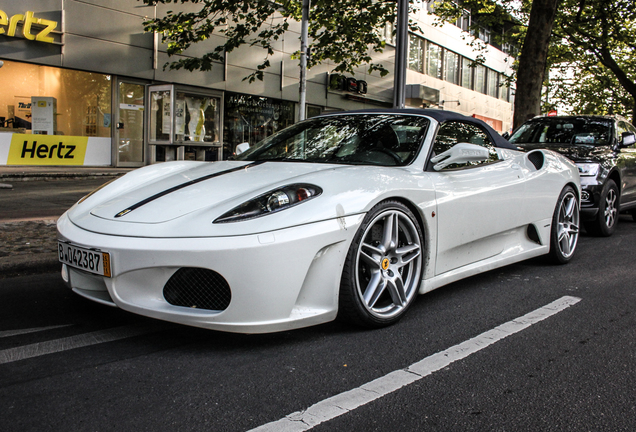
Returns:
(183,185)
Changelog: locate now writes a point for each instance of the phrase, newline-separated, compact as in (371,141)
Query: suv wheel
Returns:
(607,218)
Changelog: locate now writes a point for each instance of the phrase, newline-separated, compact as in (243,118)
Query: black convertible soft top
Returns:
(441,116)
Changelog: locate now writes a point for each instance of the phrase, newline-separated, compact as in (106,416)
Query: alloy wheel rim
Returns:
(610,208)
(388,264)
(568,225)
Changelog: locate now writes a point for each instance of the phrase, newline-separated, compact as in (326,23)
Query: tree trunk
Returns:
(532,61)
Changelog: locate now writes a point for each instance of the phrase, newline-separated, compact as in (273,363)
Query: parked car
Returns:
(603,149)
(349,214)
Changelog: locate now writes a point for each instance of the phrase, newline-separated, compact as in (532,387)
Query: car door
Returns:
(627,164)
(477,203)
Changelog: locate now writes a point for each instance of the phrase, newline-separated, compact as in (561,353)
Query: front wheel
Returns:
(565,226)
(383,268)
(605,223)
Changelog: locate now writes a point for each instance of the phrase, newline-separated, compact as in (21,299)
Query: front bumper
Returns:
(279,280)
(590,198)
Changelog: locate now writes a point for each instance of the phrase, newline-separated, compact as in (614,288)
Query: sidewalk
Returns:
(29,244)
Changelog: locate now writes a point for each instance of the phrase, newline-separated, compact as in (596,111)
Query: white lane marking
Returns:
(342,403)
(72,342)
(9,333)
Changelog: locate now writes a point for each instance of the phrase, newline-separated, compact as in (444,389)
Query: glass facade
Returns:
(250,119)
(451,67)
(434,60)
(81,100)
(431,59)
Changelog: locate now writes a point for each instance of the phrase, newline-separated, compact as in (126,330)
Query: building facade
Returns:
(83,84)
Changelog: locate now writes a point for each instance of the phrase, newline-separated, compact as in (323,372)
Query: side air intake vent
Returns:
(198,288)
(537,159)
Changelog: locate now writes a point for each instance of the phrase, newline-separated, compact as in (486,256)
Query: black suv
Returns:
(603,148)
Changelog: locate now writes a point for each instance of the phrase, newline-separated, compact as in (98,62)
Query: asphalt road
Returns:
(85,366)
(43,199)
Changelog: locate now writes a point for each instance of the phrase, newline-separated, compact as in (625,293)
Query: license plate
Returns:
(84,259)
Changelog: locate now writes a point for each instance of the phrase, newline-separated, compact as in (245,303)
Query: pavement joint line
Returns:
(18,332)
(83,340)
(342,403)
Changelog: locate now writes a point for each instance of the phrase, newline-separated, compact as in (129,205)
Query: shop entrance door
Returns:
(129,124)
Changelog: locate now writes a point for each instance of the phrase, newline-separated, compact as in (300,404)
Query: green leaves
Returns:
(344,32)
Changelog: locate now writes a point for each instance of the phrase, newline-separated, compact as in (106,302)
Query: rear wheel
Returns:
(564,234)
(605,223)
(383,268)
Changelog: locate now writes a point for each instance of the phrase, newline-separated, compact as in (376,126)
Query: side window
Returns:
(451,133)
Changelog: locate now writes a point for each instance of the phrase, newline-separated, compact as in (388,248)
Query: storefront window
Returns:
(251,119)
(160,115)
(66,102)
(196,118)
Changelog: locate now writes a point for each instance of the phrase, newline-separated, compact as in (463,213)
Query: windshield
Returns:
(360,139)
(571,130)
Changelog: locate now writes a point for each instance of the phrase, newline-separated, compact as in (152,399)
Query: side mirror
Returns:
(506,135)
(628,139)
(240,148)
(460,153)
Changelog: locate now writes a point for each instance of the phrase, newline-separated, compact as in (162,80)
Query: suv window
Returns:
(569,130)
(453,132)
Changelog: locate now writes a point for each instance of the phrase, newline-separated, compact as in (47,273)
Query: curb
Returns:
(55,176)
(38,234)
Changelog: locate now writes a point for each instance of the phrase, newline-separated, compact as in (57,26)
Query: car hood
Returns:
(182,199)
(575,152)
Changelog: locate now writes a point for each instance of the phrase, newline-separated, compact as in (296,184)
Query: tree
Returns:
(346,32)
(589,39)
(530,28)
(601,35)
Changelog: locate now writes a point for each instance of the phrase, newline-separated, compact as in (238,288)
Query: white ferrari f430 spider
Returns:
(349,214)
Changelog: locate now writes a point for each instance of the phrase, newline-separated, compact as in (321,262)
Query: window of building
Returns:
(81,101)
(480,79)
(434,60)
(416,53)
(451,67)
(504,90)
(492,83)
(467,73)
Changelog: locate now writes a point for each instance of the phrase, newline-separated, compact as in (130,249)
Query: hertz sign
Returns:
(9,26)
(27,149)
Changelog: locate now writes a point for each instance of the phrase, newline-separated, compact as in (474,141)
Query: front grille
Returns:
(198,288)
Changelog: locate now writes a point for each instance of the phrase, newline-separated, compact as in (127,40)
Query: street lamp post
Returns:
(304,30)
(401,48)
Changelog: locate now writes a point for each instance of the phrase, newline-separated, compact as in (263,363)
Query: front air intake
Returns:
(198,288)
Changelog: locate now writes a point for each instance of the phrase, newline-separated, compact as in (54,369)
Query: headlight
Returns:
(588,169)
(271,202)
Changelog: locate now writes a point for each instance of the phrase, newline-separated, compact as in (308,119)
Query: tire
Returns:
(383,267)
(564,233)
(605,223)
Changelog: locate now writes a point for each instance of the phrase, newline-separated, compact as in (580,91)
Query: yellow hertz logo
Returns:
(27,20)
(47,150)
